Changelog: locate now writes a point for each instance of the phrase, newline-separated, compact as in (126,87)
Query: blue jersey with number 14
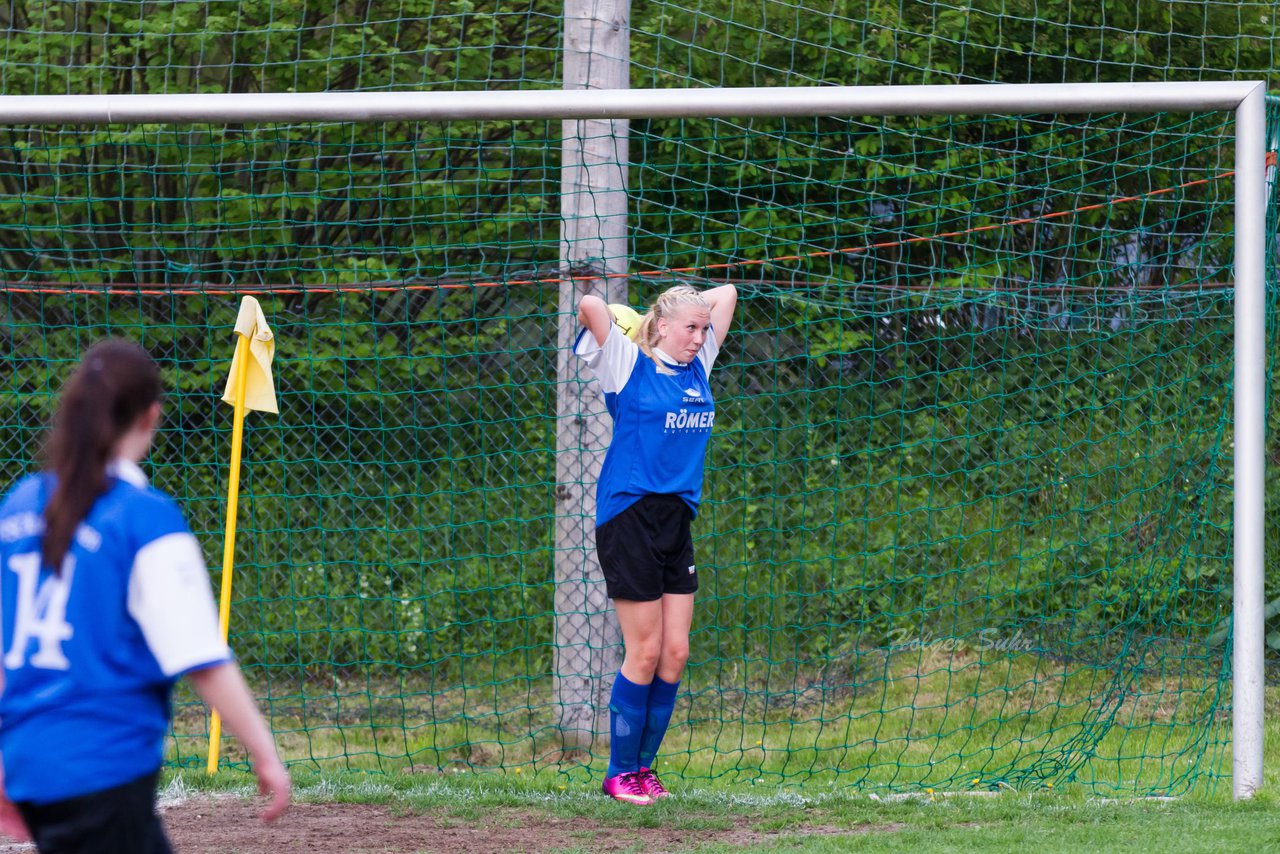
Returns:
(91,652)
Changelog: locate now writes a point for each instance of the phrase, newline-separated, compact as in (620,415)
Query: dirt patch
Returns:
(220,825)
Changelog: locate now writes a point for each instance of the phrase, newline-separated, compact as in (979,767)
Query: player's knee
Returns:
(675,655)
(643,657)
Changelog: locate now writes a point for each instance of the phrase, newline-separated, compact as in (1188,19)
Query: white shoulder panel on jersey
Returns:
(170,598)
(710,349)
(613,363)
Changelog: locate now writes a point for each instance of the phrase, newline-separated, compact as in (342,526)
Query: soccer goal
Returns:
(984,504)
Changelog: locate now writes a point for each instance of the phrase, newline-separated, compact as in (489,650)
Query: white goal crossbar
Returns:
(1245,98)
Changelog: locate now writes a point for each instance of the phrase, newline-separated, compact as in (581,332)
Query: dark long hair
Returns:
(115,382)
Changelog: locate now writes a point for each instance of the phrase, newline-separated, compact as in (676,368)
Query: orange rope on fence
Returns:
(159,289)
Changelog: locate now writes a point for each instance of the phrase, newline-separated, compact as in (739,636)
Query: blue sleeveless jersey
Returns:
(661,423)
(91,653)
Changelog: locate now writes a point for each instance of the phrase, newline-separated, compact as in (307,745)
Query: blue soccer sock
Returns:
(662,702)
(627,708)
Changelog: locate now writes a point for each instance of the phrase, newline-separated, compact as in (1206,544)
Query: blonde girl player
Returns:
(105,602)
(656,390)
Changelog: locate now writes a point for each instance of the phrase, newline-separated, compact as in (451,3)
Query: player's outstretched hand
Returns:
(273,780)
(11,823)
(222,687)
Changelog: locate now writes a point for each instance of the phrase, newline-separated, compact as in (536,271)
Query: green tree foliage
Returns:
(903,42)
(1019,424)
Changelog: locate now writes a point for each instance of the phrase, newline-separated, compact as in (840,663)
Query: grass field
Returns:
(547,810)
(938,719)
(486,813)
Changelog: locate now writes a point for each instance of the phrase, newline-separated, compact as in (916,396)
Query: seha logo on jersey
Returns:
(688,419)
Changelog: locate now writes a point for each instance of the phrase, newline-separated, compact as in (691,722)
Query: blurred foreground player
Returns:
(105,602)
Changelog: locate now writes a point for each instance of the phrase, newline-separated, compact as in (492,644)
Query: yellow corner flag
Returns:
(251,326)
(249,386)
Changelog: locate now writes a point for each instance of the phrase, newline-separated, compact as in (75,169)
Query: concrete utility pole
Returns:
(593,245)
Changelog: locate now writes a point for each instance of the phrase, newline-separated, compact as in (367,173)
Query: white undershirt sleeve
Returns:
(710,349)
(613,363)
(170,598)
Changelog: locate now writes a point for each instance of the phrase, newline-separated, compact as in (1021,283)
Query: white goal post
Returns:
(1244,98)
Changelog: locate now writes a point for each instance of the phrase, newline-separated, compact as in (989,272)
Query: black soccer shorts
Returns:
(647,550)
(120,819)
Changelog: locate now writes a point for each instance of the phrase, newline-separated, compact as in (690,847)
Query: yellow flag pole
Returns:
(229,544)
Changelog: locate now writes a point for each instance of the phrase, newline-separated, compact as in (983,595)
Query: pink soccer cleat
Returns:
(651,784)
(628,788)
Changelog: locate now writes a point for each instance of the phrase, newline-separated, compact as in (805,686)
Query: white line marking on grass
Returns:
(898,797)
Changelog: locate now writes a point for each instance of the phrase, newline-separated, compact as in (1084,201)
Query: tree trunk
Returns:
(593,250)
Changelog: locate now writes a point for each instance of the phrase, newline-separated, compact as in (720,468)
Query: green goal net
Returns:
(968,496)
